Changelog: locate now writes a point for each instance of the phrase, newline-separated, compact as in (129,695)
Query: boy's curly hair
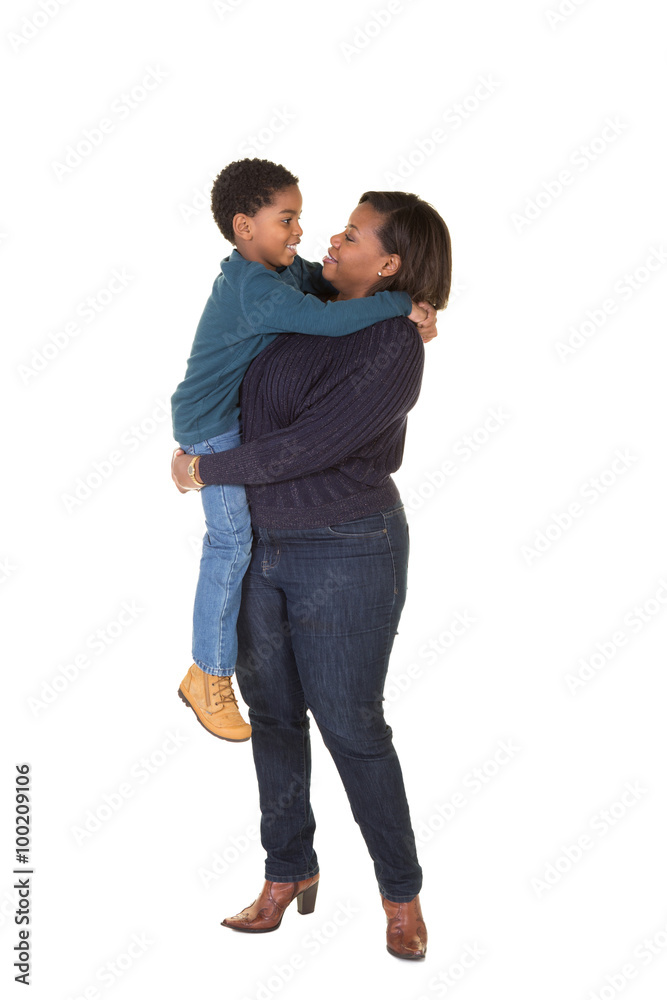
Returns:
(246,186)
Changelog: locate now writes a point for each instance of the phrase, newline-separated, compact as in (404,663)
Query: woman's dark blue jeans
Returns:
(319,613)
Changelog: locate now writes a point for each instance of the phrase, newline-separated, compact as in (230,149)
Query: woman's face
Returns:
(355,255)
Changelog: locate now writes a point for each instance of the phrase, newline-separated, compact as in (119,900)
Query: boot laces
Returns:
(227,696)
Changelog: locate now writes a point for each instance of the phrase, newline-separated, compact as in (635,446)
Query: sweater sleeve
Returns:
(375,393)
(269,305)
(309,275)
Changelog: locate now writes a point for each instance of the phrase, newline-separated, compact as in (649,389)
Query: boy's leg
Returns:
(225,558)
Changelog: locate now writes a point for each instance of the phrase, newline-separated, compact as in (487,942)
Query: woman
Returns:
(324,427)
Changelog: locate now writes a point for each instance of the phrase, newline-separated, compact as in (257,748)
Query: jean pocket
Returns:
(364,527)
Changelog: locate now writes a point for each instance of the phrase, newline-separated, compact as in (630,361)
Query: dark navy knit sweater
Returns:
(324,422)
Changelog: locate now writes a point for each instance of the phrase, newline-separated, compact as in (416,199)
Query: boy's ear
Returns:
(241,227)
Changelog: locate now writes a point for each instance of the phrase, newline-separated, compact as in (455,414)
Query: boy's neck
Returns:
(247,255)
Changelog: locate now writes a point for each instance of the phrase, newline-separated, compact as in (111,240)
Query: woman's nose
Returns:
(336,240)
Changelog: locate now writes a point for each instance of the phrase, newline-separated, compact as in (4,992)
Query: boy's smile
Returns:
(271,235)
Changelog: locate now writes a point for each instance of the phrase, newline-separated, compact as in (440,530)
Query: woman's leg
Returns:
(270,685)
(346,587)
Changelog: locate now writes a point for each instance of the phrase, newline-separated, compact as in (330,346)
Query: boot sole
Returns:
(398,954)
(252,930)
(228,739)
(305,904)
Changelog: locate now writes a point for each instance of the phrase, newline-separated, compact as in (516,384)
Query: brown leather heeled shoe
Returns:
(266,913)
(406,931)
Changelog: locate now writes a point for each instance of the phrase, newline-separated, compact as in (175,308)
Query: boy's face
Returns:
(271,235)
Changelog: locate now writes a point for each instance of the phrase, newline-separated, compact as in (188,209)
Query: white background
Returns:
(356,100)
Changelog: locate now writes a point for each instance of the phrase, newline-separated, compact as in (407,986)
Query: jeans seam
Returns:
(367,534)
(231,570)
(304,732)
(393,564)
(286,880)
(357,534)
(213,671)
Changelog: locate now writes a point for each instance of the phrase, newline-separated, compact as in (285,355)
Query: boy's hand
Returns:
(424,315)
(418,314)
(428,327)
(179,471)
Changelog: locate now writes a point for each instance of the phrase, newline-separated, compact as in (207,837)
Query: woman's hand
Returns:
(424,315)
(179,471)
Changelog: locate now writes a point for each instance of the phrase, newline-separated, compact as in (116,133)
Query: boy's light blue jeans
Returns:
(225,558)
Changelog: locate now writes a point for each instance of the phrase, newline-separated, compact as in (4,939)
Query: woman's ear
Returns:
(392,265)
(241,226)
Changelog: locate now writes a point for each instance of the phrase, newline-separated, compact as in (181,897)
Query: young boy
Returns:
(264,288)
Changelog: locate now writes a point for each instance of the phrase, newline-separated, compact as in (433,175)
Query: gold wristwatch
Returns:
(192,471)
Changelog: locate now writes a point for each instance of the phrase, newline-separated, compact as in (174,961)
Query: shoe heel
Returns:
(305,901)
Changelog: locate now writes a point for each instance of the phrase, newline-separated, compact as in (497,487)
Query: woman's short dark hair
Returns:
(246,186)
(413,229)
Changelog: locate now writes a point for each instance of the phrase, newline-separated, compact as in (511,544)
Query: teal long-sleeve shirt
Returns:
(247,309)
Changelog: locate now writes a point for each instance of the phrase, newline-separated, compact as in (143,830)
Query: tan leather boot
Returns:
(213,701)
(406,931)
(266,913)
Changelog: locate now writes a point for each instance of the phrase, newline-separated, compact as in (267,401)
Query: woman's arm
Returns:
(373,396)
